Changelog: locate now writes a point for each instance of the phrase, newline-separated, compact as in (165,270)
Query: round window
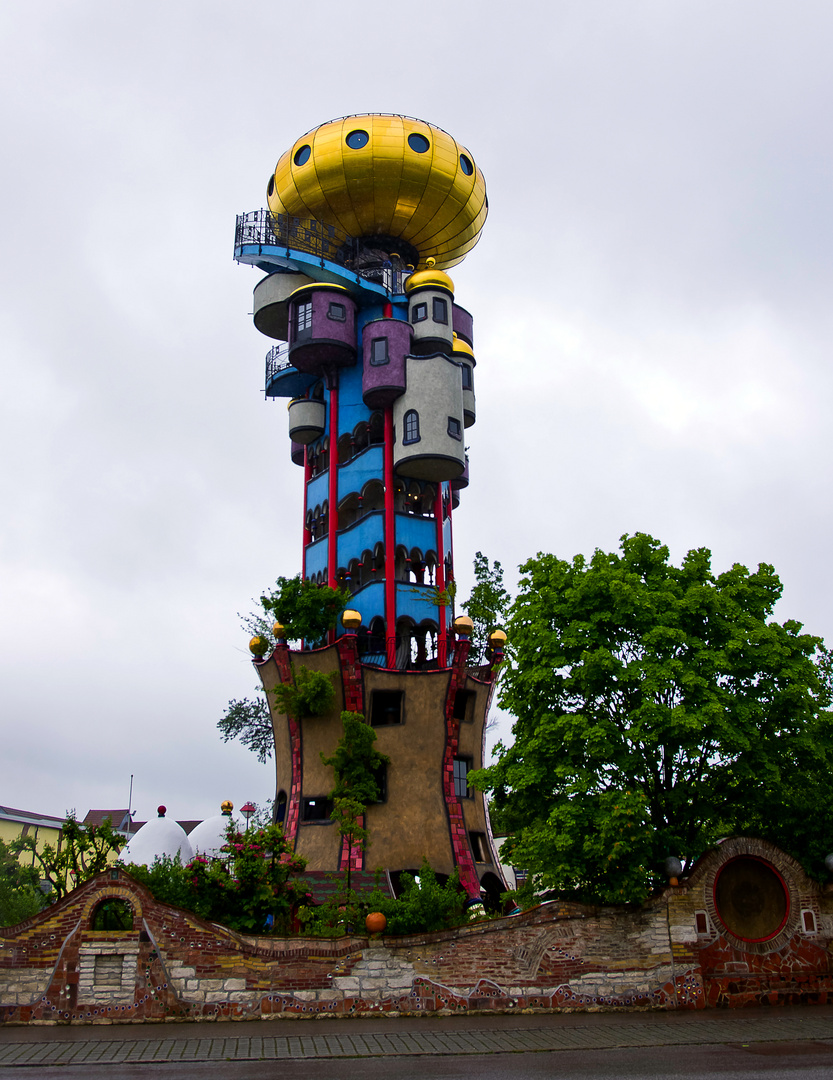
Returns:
(418,143)
(357,139)
(751,899)
(466,165)
(302,155)
(270,187)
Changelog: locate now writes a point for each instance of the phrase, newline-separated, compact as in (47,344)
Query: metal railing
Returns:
(262,228)
(277,359)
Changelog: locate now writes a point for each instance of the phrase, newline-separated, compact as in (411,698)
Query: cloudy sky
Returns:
(652,328)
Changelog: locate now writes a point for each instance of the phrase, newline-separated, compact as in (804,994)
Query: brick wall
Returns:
(673,952)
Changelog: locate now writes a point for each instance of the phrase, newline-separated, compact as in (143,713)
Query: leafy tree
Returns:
(250,722)
(311,693)
(20,897)
(306,610)
(657,709)
(488,605)
(83,852)
(358,766)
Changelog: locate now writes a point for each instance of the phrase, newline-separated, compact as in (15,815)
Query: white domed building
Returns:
(158,837)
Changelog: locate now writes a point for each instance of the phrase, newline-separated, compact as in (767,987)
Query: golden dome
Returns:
(463,625)
(350,619)
(429,279)
(376,175)
(259,646)
(226,806)
(460,346)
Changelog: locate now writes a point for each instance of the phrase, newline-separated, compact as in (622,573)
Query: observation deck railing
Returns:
(277,359)
(262,228)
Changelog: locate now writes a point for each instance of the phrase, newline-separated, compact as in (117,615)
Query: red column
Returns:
(438,516)
(332,517)
(307,534)
(390,544)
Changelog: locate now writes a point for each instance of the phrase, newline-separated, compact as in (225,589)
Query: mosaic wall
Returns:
(676,952)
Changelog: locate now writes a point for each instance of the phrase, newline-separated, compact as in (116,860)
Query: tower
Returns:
(365,215)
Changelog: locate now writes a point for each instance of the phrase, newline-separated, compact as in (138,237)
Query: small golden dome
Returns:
(497,639)
(463,625)
(429,279)
(460,346)
(279,630)
(375,175)
(259,646)
(226,806)
(350,619)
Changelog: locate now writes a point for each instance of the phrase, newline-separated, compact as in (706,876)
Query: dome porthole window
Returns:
(418,143)
(270,187)
(357,139)
(302,154)
(466,165)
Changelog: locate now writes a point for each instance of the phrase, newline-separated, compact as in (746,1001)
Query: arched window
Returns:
(112,914)
(411,433)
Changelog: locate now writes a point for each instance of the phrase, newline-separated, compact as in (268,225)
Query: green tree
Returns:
(306,610)
(487,606)
(83,852)
(250,722)
(657,709)
(20,897)
(311,693)
(358,768)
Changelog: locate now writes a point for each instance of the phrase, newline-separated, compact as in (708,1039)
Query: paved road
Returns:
(753,1042)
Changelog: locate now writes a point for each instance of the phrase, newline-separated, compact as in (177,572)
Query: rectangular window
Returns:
(303,319)
(338,312)
(419,312)
(385,707)
(461,769)
(464,705)
(479,848)
(440,310)
(701,922)
(379,350)
(316,809)
(467,379)
(454,429)
(809,919)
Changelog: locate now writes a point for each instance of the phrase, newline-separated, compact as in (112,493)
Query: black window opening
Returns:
(454,429)
(280,808)
(468,382)
(318,808)
(303,317)
(440,309)
(411,425)
(419,312)
(479,847)
(379,350)
(464,705)
(302,154)
(337,312)
(386,707)
(462,766)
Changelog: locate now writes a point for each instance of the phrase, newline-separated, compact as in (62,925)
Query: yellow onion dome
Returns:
(429,279)
(460,346)
(385,178)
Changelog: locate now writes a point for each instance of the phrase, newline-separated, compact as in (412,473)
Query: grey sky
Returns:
(652,329)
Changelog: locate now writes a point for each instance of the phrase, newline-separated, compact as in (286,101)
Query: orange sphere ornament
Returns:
(375,922)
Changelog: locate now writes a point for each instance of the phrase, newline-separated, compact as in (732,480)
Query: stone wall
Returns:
(673,952)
